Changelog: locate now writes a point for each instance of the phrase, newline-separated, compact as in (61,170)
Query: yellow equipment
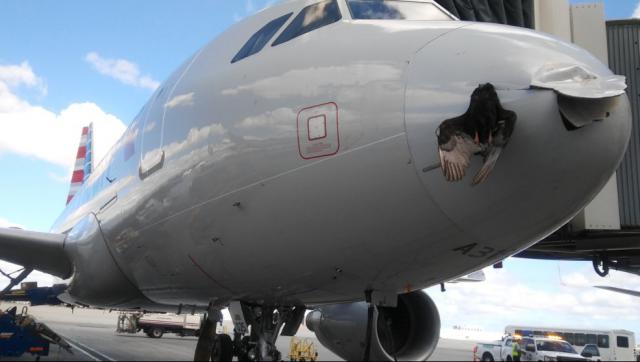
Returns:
(302,349)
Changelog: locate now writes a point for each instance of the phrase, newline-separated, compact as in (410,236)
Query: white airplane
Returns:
(326,152)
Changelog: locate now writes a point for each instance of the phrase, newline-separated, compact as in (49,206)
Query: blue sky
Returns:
(72,62)
(615,9)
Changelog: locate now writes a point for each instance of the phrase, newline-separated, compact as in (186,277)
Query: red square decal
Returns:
(318,132)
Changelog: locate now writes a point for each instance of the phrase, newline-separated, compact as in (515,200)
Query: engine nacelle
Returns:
(409,332)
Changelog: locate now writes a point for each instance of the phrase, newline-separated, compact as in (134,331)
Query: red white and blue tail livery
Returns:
(84,162)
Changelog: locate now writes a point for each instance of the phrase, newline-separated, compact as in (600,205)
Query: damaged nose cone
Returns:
(539,80)
(578,81)
(580,112)
(584,97)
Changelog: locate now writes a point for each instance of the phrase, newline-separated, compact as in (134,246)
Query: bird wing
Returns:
(455,155)
(489,163)
(499,141)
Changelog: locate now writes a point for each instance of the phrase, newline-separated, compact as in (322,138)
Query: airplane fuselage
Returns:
(309,172)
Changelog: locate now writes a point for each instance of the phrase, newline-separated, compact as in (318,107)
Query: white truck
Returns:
(548,349)
(531,349)
(156,325)
(498,351)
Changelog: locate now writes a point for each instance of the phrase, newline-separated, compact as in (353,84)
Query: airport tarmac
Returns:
(93,338)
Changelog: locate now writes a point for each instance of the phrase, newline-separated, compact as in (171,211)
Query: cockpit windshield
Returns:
(396,10)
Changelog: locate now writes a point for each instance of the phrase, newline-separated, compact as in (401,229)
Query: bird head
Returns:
(484,101)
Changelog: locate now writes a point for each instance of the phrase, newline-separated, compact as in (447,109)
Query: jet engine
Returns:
(409,332)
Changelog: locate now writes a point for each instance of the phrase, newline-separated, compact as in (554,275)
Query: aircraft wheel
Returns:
(222,348)
(156,332)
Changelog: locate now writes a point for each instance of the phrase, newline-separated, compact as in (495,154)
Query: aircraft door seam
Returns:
(173,89)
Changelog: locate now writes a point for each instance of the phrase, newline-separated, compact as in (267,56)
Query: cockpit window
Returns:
(261,38)
(311,18)
(396,10)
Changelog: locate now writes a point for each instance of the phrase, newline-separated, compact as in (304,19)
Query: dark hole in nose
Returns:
(577,113)
(567,124)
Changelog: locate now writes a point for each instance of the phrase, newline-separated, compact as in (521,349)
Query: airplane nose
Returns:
(572,130)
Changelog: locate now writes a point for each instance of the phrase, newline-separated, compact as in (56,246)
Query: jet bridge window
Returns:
(311,18)
(261,38)
(395,10)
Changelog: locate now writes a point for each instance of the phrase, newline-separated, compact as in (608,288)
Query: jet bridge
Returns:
(509,12)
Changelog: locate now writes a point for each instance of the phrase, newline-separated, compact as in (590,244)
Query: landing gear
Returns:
(207,338)
(266,322)
(222,348)
(256,330)
(370,313)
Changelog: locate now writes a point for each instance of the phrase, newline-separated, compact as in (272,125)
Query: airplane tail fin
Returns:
(84,162)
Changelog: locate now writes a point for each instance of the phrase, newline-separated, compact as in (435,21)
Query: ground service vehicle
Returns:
(30,292)
(591,352)
(548,349)
(21,334)
(302,350)
(156,325)
(499,351)
(613,345)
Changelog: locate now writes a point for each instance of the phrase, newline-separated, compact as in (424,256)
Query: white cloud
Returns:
(4,223)
(280,120)
(22,74)
(181,100)
(122,70)
(636,13)
(34,131)
(331,77)
(615,279)
(504,298)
